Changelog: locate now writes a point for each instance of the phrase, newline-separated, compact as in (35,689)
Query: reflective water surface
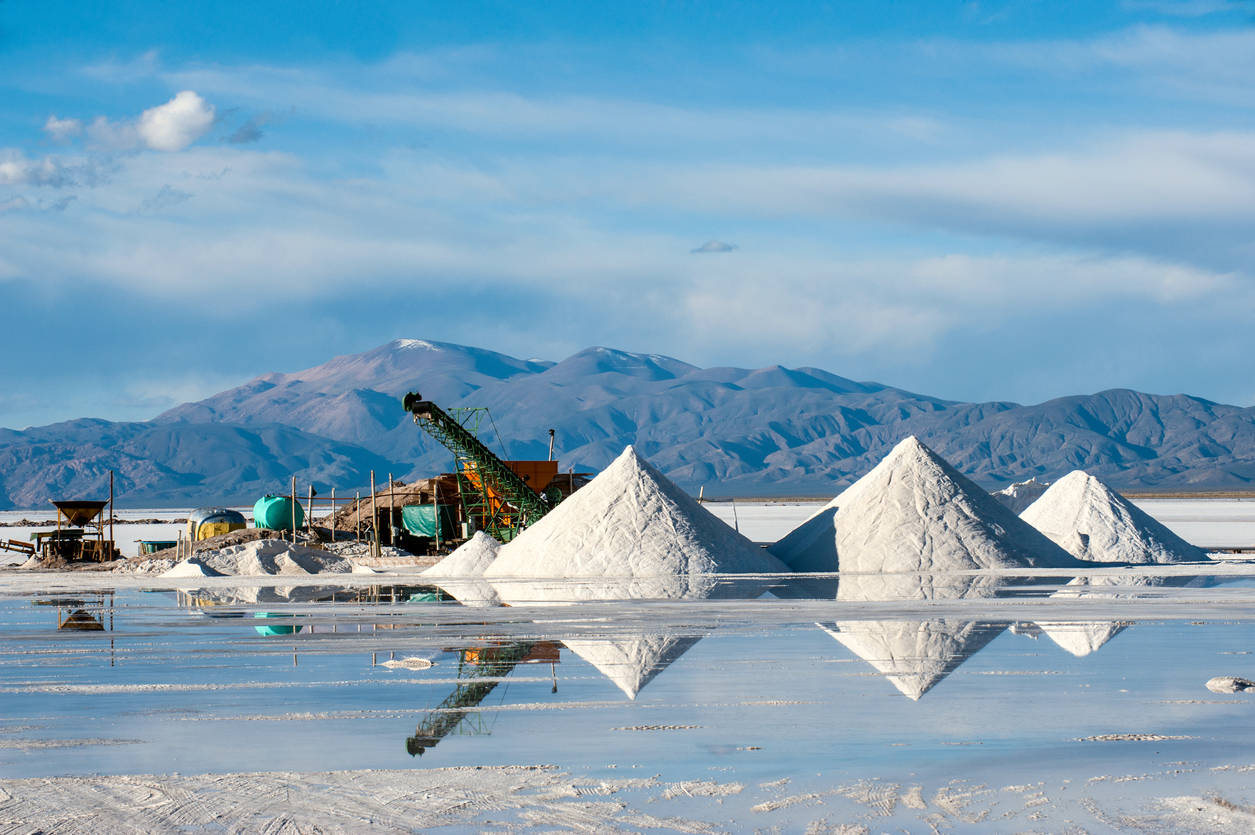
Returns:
(964,702)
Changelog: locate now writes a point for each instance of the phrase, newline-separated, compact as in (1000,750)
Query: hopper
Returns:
(79,513)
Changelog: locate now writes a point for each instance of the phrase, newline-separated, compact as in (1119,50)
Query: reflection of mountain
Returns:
(914,654)
(634,662)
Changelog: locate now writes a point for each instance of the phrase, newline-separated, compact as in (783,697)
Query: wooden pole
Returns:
(111,514)
(357,515)
(309,515)
(374,516)
(333,514)
(392,508)
(435,509)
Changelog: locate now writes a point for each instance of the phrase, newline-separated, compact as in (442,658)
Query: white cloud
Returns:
(172,126)
(62,130)
(18,170)
(177,123)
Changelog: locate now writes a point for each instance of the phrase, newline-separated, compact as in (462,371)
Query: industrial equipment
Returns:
(205,522)
(278,513)
(495,496)
(83,538)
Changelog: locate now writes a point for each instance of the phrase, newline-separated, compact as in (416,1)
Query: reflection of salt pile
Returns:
(461,573)
(629,534)
(633,663)
(1096,524)
(914,512)
(1018,496)
(914,654)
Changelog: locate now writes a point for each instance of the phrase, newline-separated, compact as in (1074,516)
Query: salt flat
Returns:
(738,713)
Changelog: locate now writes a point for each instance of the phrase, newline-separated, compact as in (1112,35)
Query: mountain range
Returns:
(767,431)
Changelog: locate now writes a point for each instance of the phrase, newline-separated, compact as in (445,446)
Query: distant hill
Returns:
(766,431)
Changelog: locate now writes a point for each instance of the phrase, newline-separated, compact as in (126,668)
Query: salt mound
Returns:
(1080,638)
(633,663)
(272,557)
(915,513)
(1096,524)
(1018,496)
(632,526)
(190,568)
(461,572)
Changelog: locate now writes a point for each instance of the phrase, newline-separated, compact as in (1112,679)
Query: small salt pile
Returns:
(461,572)
(914,512)
(1096,524)
(259,558)
(1018,496)
(629,533)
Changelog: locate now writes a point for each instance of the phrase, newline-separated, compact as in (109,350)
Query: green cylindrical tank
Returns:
(275,513)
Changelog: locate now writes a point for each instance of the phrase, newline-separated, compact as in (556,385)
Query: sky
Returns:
(980,201)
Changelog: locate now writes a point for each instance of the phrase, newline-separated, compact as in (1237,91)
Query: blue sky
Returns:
(1009,201)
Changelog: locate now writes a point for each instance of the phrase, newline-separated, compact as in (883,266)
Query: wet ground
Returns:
(954,703)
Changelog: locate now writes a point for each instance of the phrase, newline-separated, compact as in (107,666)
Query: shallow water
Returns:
(938,698)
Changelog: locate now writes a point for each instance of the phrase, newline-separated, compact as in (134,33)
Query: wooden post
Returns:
(333,514)
(392,508)
(111,514)
(374,515)
(309,511)
(357,515)
(293,510)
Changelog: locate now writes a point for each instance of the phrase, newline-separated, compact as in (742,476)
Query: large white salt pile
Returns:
(1096,524)
(630,532)
(914,655)
(461,572)
(1018,496)
(915,512)
(189,568)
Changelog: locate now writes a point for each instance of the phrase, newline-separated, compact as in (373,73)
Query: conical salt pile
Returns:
(630,532)
(1096,524)
(915,512)
(1018,496)
(461,573)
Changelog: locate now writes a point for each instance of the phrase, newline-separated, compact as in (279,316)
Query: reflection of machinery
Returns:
(83,537)
(82,614)
(480,670)
(499,497)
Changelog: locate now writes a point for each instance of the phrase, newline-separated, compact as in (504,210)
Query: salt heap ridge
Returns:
(915,513)
(1018,496)
(630,533)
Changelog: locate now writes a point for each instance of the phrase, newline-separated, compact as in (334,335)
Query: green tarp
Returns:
(420,520)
